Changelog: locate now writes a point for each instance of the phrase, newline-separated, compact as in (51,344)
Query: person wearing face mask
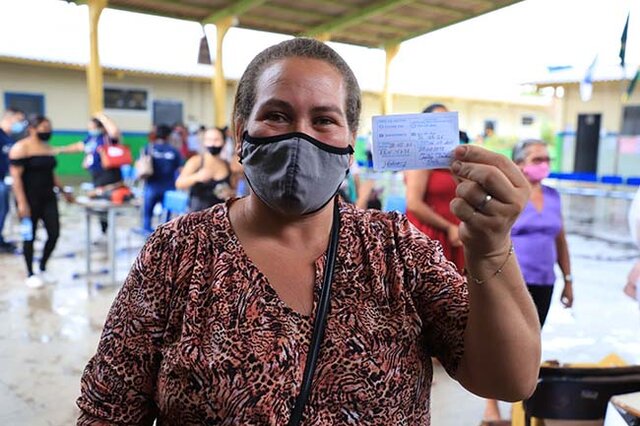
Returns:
(11,124)
(101,130)
(538,238)
(290,305)
(32,167)
(207,176)
(166,162)
(538,234)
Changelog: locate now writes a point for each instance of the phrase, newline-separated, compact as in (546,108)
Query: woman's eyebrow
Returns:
(327,108)
(276,103)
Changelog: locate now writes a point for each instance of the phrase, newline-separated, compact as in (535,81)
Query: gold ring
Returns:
(484,202)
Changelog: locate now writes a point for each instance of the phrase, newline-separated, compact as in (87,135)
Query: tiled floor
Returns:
(47,335)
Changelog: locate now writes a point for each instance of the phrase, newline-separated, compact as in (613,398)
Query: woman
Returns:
(538,237)
(207,176)
(101,131)
(215,321)
(429,193)
(633,279)
(538,234)
(166,161)
(31,165)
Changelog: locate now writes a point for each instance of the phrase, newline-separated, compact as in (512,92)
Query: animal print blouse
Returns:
(198,336)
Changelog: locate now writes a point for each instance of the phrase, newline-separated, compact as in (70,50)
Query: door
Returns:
(587,142)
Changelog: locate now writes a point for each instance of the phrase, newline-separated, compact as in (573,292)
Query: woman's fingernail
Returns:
(460,151)
(455,166)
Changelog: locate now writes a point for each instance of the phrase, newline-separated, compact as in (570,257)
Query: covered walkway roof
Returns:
(370,23)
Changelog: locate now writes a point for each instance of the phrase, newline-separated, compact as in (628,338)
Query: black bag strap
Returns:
(320,321)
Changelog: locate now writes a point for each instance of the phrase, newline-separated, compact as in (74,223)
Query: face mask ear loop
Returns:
(242,142)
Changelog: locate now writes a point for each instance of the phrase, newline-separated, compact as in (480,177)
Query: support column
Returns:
(219,84)
(323,37)
(387,102)
(94,69)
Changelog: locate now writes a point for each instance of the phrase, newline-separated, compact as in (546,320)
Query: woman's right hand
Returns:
(24,210)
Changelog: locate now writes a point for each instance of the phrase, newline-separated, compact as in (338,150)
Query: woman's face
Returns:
(536,163)
(300,95)
(44,127)
(213,138)
(536,154)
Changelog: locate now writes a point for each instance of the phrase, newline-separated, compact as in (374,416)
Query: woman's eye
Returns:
(275,116)
(324,121)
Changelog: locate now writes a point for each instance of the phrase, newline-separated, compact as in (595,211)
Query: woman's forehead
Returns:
(536,149)
(300,74)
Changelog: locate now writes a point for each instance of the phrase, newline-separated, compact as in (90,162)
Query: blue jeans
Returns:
(153,195)
(4,206)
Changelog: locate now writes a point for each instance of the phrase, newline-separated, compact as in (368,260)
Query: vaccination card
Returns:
(414,141)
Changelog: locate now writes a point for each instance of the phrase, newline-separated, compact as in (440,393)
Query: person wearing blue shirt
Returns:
(12,123)
(166,163)
(101,130)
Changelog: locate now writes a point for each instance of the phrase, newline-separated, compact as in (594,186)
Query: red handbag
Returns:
(113,156)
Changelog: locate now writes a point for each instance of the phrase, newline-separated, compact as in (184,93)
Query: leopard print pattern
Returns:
(198,336)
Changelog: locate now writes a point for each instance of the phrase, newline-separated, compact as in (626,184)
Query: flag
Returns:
(586,85)
(623,42)
(632,85)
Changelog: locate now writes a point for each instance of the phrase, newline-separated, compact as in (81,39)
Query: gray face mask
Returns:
(294,173)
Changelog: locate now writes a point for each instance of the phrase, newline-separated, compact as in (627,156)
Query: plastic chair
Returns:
(128,174)
(175,202)
(578,393)
(612,179)
(633,180)
(395,202)
(585,177)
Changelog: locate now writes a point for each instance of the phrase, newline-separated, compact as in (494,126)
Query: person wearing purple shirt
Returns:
(538,234)
(538,238)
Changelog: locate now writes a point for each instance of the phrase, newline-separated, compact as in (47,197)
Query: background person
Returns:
(429,195)
(207,176)
(213,323)
(633,279)
(12,123)
(32,168)
(538,237)
(166,162)
(101,131)
(538,234)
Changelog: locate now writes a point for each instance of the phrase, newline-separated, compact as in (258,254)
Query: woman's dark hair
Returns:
(296,48)
(36,119)
(98,123)
(222,132)
(163,131)
(433,107)
(519,152)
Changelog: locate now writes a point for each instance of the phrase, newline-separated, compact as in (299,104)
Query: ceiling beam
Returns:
(431,8)
(303,14)
(267,24)
(334,3)
(381,28)
(237,8)
(404,19)
(178,10)
(355,17)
